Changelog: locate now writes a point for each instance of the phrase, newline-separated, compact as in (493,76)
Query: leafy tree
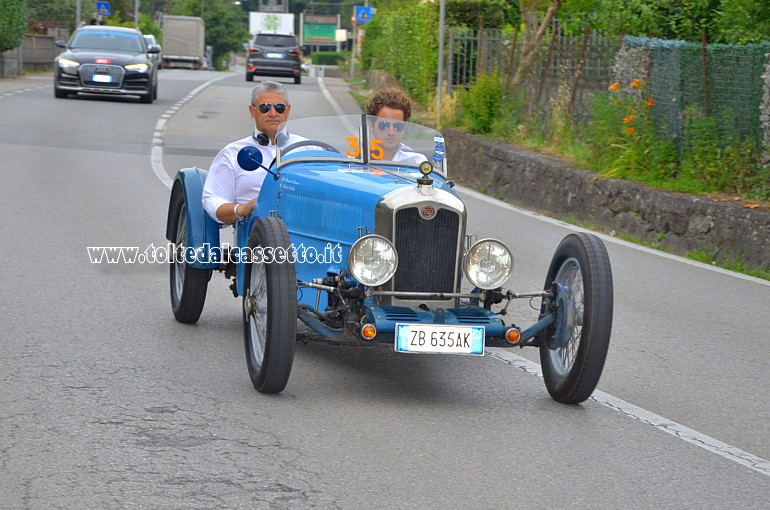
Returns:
(742,21)
(476,13)
(13,23)
(226,26)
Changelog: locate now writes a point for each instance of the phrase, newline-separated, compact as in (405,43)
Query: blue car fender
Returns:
(202,230)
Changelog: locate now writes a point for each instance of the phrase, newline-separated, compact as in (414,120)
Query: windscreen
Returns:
(389,141)
(107,40)
(275,41)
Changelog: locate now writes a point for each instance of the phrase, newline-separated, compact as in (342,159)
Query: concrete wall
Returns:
(680,223)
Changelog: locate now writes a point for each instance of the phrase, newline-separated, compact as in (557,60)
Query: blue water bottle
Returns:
(438,152)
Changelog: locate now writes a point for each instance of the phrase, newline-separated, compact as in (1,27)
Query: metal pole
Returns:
(136,13)
(78,16)
(353,54)
(441,19)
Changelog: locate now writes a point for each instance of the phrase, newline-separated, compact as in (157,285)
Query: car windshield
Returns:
(404,144)
(107,40)
(275,41)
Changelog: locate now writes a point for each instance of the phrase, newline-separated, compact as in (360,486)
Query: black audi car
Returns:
(102,59)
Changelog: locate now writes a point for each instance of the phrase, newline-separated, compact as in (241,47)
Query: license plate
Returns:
(440,339)
(274,55)
(102,78)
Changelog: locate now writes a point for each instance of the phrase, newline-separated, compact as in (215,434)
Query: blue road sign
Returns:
(103,9)
(363,14)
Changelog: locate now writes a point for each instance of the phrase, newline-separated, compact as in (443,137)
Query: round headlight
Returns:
(488,264)
(372,260)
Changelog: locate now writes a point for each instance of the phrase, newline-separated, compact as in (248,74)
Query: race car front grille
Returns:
(427,251)
(88,71)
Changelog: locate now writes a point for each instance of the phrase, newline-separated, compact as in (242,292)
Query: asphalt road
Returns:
(106,402)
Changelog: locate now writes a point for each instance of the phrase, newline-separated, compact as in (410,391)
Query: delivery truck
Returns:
(184,42)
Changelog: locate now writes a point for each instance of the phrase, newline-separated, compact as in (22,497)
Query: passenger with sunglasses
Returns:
(230,192)
(389,109)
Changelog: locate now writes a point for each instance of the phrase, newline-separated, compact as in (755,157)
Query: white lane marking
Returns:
(336,107)
(687,434)
(610,239)
(156,152)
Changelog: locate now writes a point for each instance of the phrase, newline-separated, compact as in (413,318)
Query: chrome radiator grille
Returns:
(427,251)
(87,72)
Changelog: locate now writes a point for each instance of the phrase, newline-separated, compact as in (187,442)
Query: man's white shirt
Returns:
(228,183)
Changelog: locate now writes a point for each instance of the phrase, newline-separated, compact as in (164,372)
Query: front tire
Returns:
(60,94)
(269,309)
(188,284)
(573,350)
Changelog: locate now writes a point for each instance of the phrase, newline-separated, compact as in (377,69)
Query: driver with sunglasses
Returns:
(392,109)
(230,192)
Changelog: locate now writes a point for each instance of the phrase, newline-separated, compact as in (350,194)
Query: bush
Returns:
(326,58)
(13,23)
(480,105)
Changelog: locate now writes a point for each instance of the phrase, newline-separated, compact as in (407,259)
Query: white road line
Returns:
(687,434)
(156,152)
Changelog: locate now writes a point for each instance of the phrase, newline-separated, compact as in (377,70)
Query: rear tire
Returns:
(269,310)
(249,77)
(582,324)
(188,284)
(297,80)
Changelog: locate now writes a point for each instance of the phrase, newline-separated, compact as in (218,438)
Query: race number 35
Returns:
(375,148)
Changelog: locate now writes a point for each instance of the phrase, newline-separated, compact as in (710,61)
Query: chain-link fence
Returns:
(724,82)
(720,81)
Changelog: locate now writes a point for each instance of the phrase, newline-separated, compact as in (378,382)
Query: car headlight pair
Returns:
(373,261)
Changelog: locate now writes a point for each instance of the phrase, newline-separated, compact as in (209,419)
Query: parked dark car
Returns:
(274,55)
(155,57)
(106,60)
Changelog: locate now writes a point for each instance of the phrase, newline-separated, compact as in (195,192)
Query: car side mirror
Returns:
(250,158)
(153,49)
(60,43)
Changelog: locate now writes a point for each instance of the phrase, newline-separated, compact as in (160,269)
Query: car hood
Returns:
(116,58)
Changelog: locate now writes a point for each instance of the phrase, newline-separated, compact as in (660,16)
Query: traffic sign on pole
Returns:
(363,14)
(103,9)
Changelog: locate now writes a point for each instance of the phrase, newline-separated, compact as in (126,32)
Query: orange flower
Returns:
(635,84)
(628,120)
(614,86)
(650,102)
(630,131)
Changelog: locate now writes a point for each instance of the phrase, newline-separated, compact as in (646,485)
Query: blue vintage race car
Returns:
(366,247)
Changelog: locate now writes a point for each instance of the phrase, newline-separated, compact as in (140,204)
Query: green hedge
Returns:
(13,23)
(326,58)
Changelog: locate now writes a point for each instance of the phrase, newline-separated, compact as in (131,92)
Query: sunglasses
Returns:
(384,124)
(265,107)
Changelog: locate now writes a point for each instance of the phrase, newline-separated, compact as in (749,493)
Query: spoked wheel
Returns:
(188,284)
(573,349)
(269,308)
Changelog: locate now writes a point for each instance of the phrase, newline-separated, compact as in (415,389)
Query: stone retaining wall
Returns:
(680,223)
